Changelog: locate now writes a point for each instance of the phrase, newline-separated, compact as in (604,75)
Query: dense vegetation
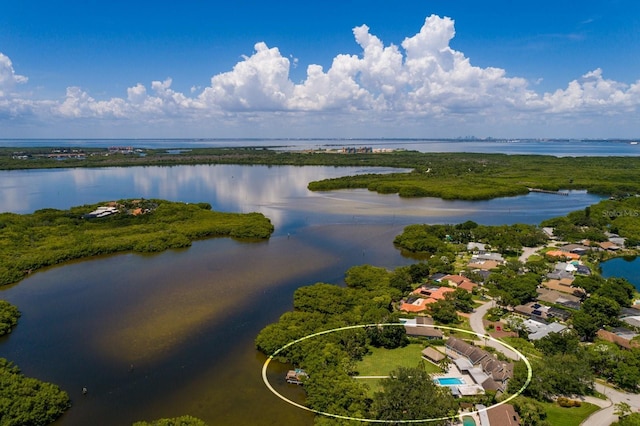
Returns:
(49,236)
(619,216)
(331,359)
(176,421)
(431,239)
(445,175)
(26,401)
(485,176)
(9,315)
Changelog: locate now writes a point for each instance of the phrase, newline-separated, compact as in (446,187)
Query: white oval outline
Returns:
(395,324)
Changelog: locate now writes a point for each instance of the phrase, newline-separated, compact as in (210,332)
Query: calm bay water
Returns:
(628,268)
(168,334)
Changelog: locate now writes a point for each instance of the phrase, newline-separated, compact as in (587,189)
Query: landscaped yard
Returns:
(382,361)
(560,416)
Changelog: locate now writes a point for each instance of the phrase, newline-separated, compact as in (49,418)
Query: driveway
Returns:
(605,416)
(527,252)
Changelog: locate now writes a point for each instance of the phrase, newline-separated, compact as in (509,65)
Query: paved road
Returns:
(602,417)
(605,416)
(475,320)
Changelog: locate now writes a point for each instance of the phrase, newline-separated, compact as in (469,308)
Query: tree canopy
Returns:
(410,394)
(9,315)
(28,401)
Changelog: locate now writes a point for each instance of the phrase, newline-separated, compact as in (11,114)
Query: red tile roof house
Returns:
(459,281)
(608,245)
(559,254)
(426,295)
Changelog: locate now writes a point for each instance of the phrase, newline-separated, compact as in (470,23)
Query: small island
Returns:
(49,236)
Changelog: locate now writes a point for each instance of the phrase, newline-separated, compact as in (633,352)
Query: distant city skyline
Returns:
(352,69)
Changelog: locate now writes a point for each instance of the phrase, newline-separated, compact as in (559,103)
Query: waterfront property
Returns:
(483,368)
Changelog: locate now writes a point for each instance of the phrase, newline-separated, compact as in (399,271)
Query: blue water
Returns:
(468,421)
(559,148)
(628,268)
(449,381)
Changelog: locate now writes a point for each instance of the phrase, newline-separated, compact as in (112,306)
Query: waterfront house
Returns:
(483,367)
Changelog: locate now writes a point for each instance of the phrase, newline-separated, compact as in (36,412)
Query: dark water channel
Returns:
(169,334)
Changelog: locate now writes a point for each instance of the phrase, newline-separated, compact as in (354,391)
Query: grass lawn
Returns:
(381,361)
(559,416)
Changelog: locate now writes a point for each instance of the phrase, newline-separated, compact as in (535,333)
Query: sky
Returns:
(320,69)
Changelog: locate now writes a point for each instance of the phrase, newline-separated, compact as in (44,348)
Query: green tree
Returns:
(28,401)
(333,391)
(388,337)
(585,325)
(630,420)
(367,277)
(564,343)
(176,421)
(604,310)
(622,409)
(9,315)
(401,279)
(618,289)
(531,412)
(410,394)
(444,312)
(461,299)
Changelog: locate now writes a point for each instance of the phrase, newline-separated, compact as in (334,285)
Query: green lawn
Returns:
(381,361)
(559,416)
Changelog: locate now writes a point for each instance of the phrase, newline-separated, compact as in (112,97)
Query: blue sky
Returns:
(356,68)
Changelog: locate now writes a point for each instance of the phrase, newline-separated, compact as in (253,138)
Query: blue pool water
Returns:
(468,421)
(449,381)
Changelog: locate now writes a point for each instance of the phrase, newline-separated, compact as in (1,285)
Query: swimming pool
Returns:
(449,381)
(468,421)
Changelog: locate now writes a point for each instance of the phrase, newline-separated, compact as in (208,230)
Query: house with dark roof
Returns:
(429,333)
(583,270)
(483,367)
(575,248)
(503,415)
(437,276)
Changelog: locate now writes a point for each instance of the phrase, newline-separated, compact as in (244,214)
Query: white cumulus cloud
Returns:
(8,77)
(423,80)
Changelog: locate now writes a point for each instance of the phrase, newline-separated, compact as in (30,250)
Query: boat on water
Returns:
(633,143)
